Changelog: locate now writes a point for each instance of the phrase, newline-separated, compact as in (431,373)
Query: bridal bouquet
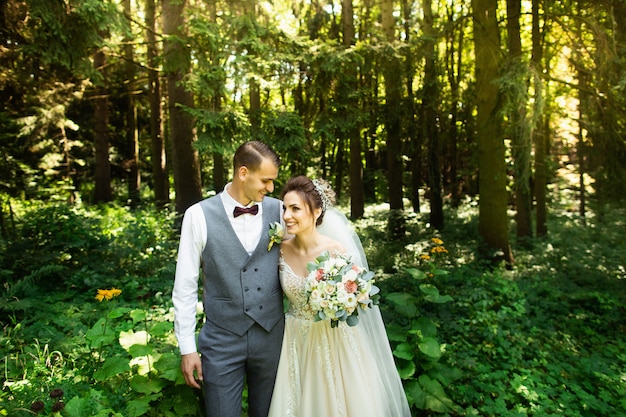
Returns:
(336,288)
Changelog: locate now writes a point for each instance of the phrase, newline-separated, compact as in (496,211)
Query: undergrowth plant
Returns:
(418,350)
(546,337)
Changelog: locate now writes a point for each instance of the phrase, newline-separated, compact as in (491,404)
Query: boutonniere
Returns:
(276,234)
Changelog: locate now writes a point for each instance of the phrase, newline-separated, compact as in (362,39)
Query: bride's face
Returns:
(297,214)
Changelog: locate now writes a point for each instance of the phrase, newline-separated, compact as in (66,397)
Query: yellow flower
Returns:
(107,294)
(437,241)
(425,257)
(439,249)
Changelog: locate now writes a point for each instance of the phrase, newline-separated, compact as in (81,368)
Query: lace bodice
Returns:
(294,287)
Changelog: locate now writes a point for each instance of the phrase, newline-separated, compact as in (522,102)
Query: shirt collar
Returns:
(230,203)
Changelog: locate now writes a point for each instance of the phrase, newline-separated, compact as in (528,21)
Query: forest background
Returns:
(503,119)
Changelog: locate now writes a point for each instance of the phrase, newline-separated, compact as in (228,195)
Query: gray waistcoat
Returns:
(240,289)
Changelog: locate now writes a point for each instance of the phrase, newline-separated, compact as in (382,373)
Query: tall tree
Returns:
(158,154)
(492,219)
(185,161)
(411,119)
(350,100)
(102,176)
(540,133)
(393,96)
(430,103)
(519,130)
(131,133)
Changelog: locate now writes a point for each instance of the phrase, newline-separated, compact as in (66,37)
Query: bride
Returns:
(328,371)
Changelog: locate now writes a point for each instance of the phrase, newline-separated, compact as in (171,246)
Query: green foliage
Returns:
(546,338)
(114,357)
(414,334)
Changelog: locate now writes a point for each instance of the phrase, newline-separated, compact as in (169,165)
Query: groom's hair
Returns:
(252,153)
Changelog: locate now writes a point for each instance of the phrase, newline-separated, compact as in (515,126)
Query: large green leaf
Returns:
(404,351)
(425,325)
(138,315)
(130,338)
(168,366)
(432,294)
(404,304)
(396,333)
(406,369)
(162,328)
(416,273)
(112,366)
(428,394)
(146,385)
(430,347)
(100,334)
(139,407)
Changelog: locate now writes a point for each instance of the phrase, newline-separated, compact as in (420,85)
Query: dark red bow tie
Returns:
(246,210)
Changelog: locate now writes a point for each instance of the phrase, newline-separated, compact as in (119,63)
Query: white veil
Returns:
(336,226)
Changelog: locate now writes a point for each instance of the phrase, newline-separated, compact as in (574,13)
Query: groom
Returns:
(228,236)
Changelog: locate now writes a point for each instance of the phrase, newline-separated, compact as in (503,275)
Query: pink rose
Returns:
(351,287)
(319,275)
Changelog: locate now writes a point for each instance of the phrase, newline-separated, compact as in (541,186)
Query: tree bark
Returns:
(429,121)
(102,177)
(187,183)
(159,164)
(492,218)
(350,79)
(540,133)
(519,126)
(393,81)
(132,138)
(414,138)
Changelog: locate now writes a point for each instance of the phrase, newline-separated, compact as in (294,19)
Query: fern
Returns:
(15,296)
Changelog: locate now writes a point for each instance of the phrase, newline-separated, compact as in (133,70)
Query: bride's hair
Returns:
(315,193)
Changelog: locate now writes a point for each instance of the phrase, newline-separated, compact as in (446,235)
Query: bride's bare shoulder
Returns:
(333,246)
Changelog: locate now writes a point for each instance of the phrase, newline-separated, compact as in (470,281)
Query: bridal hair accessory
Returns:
(324,190)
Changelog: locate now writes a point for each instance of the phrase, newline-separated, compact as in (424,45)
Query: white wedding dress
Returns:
(334,372)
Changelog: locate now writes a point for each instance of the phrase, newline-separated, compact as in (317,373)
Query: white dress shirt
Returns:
(193,237)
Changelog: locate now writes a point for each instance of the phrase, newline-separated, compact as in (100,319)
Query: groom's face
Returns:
(260,182)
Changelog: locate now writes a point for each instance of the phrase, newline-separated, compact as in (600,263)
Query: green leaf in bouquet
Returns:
(352,320)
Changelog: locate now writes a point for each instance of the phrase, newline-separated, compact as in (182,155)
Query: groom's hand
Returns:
(192,369)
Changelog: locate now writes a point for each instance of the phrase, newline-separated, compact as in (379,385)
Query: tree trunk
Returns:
(429,120)
(454,76)
(492,218)
(187,183)
(132,138)
(159,166)
(350,79)
(540,138)
(393,83)
(102,177)
(519,126)
(415,143)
